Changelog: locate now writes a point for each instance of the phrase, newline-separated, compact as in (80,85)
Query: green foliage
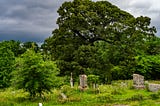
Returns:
(30,45)
(14,46)
(148,65)
(35,75)
(136,97)
(105,98)
(100,39)
(154,96)
(93,79)
(7,60)
(109,97)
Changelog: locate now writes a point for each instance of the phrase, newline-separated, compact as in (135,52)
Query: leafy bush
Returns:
(93,79)
(117,91)
(105,88)
(35,75)
(154,96)
(67,90)
(104,98)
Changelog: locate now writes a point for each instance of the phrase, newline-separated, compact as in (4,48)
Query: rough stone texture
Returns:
(154,87)
(138,81)
(83,81)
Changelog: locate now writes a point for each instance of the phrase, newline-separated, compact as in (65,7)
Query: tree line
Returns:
(93,38)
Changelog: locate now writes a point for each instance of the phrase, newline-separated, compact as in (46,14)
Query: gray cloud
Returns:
(150,8)
(34,20)
(27,19)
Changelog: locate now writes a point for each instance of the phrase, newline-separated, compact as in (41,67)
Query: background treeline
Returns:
(95,38)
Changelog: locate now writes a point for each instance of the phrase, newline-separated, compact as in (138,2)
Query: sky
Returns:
(34,20)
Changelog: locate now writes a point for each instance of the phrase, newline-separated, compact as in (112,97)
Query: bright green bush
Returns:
(105,98)
(35,75)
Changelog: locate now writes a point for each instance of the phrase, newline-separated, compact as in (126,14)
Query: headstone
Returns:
(153,87)
(71,81)
(138,81)
(40,104)
(83,81)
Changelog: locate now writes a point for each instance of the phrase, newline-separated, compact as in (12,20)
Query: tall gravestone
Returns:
(83,81)
(71,81)
(138,81)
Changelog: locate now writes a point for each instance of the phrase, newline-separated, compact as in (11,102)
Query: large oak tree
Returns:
(84,22)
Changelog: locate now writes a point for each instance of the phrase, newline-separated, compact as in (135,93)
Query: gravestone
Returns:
(138,81)
(154,87)
(71,81)
(83,81)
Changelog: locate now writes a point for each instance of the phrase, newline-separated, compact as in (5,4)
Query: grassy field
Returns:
(119,93)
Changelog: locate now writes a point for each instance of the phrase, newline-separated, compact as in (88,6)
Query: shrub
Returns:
(105,98)
(154,96)
(116,91)
(35,75)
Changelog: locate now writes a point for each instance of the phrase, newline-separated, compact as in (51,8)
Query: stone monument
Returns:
(71,81)
(138,81)
(154,87)
(83,81)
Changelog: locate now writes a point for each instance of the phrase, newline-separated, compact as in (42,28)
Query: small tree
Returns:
(93,79)
(33,74)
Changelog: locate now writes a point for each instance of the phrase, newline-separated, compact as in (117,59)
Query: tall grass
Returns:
(117,93)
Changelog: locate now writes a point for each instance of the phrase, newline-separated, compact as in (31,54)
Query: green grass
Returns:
(107,95)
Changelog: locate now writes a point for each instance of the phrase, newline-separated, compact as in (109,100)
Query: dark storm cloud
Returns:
(34,20)
(28,19)
(21,36)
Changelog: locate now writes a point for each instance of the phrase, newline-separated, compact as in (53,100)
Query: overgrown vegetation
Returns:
(114,94)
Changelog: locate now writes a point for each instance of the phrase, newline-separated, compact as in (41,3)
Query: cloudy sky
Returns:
(34,20)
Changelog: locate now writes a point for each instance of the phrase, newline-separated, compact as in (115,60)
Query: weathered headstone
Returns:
(83,81)
(154,87)
(138,81)
(71,81)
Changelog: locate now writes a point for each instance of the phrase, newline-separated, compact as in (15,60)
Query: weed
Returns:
(154,96)
(136,97)
(105,98)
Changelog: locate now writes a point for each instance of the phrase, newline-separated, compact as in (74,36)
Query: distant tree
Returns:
(35,75)
(30,45)
(149,66)
(14,46)
(7,60)
(153,46)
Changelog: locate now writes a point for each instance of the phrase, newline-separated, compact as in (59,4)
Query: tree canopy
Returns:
(98,36)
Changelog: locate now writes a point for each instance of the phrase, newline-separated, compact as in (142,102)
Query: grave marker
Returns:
(138,81)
